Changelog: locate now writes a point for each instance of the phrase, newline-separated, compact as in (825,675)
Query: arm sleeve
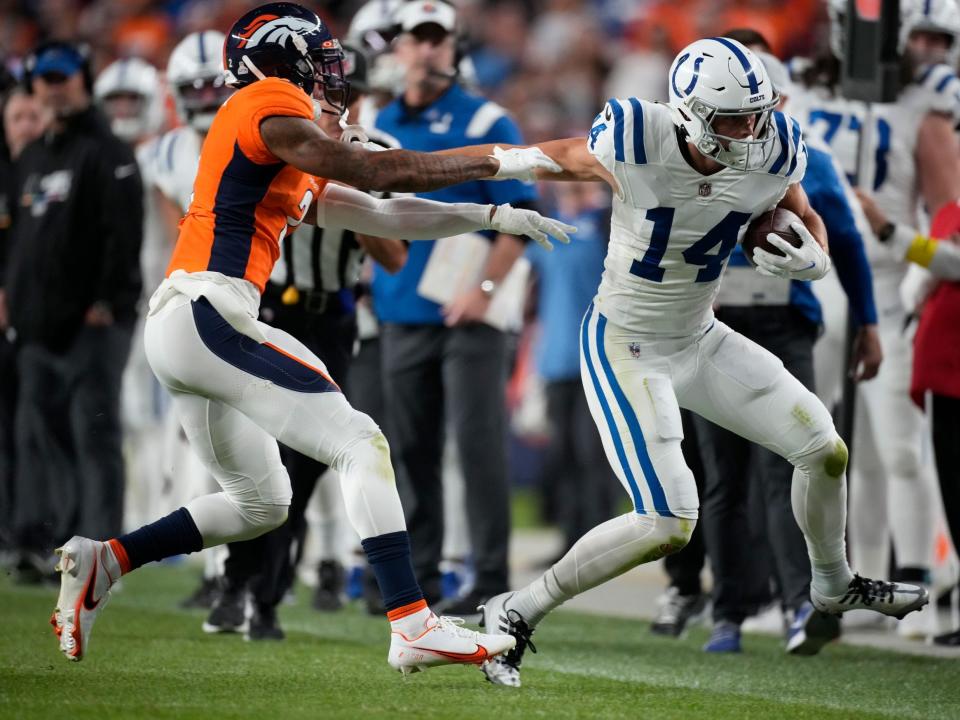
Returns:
(410,218)
(828,198)
(263,99)
(121,228)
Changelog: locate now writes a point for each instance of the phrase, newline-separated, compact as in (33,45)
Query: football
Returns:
(773,221)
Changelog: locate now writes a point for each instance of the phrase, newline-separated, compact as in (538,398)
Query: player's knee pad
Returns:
(368,455)
(829,459)
(263,505)
(670,535)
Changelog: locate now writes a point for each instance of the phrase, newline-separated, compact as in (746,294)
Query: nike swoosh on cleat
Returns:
(89,602)
(476,657)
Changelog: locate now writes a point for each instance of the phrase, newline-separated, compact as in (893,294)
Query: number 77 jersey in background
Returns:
(890,170)
(673,228)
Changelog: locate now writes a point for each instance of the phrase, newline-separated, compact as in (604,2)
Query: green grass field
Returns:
(149,660)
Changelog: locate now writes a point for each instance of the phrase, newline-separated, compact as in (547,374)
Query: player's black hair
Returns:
(824,71)
(748,37)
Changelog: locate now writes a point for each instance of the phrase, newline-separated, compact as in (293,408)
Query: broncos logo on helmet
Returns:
(273,29)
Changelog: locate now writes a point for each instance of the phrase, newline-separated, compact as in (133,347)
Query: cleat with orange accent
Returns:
(444,641)
(87,570)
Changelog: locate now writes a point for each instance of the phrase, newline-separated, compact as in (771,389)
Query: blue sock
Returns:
(389,558)
(175,534)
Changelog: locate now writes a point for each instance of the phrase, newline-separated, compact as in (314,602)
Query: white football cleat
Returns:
(889,598)
(920,625)
(444,641)
(85,581)
(505,669)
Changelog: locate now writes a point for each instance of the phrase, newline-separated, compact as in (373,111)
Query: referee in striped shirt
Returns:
(311,295)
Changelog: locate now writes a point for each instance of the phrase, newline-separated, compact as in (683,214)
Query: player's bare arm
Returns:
(797,202)
(390,253)
(938,161)
(299,142)
(576,161)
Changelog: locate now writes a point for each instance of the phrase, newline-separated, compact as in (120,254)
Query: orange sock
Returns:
(120,553)
(404,611)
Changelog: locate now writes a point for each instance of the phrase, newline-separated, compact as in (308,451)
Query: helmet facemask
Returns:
(200,98)
(748,154)
(329,77)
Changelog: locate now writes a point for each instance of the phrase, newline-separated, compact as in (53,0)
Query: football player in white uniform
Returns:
(914,160)
(130,94)
(688,177)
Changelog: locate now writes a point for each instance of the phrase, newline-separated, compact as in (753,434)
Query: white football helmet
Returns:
(128,91)
(196,78)
(373,28)
(718,77)
(941,16)
(374,25)
(935,16)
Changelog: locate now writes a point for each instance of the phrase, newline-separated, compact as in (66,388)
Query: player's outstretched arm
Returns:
(414,218)
(299,142)
(577,163)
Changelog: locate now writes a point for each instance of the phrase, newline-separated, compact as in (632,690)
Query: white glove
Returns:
(807,262)
(522,163)
(512,221)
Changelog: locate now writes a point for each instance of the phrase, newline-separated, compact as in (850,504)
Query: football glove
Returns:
(807,262)
(523,163)
(513,221)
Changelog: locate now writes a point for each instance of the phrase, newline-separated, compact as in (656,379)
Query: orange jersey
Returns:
(244,197)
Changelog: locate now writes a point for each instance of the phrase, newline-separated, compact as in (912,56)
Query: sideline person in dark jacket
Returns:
(72,284)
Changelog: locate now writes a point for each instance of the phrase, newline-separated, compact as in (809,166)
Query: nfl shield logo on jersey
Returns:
(705,189)
(634,348)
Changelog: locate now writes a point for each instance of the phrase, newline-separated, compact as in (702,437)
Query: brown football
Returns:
(773,221)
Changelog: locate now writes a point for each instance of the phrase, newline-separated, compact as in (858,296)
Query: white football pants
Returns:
(236,397)
(635,389)
(892,488)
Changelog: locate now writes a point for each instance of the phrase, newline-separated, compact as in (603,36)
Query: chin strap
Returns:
(351,133)
(253,68)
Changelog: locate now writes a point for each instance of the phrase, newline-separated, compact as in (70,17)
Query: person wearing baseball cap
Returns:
(435,354)
(72,283)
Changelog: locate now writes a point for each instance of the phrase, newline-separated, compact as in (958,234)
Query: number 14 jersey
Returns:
(673,228)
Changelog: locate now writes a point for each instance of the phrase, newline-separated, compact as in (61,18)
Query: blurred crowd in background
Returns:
(552,63)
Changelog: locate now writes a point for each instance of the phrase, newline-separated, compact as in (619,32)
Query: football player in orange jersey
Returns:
(239,385)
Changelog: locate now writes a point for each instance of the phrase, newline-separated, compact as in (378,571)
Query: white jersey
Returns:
(891,169)
(176,163)
(942,82)
(673,228)
(155,249)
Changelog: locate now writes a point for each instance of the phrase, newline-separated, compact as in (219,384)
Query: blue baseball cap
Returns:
(63,59)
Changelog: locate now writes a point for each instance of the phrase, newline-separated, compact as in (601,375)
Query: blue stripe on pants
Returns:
(260,360)
(653,482)
(608,415)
